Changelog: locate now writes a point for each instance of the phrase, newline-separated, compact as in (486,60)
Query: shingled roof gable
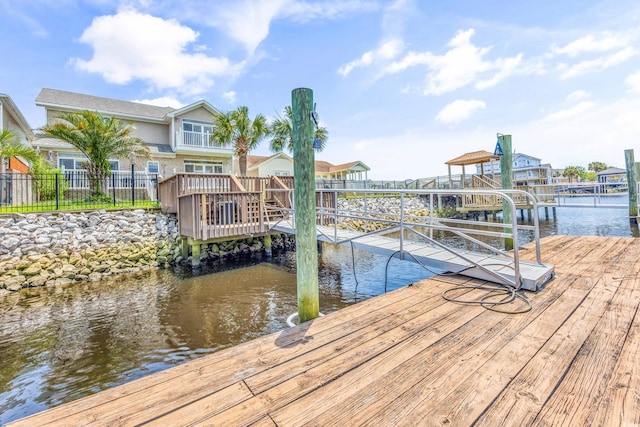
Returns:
(78,101)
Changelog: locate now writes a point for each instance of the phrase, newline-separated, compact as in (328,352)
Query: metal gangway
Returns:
(442,245)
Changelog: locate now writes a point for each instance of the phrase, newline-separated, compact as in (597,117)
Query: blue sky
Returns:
(401,85)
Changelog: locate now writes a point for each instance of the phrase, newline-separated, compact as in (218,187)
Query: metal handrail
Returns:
(509,230)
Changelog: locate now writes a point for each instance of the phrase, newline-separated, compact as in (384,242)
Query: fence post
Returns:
(57,192)
(157,187)
(113,187)
(133,184)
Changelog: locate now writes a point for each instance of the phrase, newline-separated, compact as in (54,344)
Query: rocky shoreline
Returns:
(59,248)
(54,249)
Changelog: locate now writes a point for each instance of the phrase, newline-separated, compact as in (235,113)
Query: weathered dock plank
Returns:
(411,358)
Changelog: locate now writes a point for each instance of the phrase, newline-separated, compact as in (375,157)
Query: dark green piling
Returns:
(631,182)
(506,173)
(305,204)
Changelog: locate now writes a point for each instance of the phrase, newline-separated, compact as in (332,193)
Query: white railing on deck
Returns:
(79,179)
(199,139)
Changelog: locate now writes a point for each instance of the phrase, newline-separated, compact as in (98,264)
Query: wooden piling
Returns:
(631,182)
(267,246)
(506,173)
(195,254)
(305,205)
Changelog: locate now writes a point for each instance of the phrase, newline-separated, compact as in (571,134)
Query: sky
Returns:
(401,85)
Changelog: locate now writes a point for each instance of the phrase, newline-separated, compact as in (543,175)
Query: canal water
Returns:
(61,343)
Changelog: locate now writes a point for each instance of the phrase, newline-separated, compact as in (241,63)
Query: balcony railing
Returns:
(79,179)
(199,140)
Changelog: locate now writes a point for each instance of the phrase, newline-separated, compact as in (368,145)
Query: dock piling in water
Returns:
(631,181)
(305,204)
(506,173)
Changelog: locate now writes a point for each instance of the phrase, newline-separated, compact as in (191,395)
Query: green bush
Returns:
(44,181)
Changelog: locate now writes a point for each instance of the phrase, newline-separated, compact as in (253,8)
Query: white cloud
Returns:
(229,96)
(163,101)
(459,110)
(578,95)
(386,51)
(570,113)
(304,11)
(131,45)
(590,43)
(249,21)
(461,65)
(506,67)
(633,81)
(598,64)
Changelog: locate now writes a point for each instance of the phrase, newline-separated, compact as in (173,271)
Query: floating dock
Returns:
(411,358)
(491,267)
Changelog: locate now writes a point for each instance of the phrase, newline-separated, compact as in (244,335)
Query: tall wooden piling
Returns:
(506,174)
(631,181)
(305,204)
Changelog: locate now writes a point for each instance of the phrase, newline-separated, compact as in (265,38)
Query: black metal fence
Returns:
(76,190)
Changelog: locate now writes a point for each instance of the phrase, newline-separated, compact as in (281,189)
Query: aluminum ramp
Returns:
(534,276)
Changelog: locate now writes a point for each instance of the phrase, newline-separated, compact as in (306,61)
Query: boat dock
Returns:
(411,358)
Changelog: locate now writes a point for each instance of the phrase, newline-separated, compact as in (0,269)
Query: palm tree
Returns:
(236,127)
(573,172)
(99,138)
(597,166)
(282,131)
(11,147)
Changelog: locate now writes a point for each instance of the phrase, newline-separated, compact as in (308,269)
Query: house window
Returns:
(196,166)
(198,127)
(281,173)
(196,134)
(153,167)
(78,162)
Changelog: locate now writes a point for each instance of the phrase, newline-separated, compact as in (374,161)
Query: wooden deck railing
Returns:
(206,216)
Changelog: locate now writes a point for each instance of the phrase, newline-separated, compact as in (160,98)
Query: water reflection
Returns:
(61,343)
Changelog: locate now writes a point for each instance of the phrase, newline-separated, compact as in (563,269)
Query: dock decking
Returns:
(410,358)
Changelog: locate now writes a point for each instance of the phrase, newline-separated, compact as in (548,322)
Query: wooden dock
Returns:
(411,358)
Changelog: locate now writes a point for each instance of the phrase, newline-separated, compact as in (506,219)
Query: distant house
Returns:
(278,164)
(12,119)
(356,171)
(177,138)
(527,170)
(282,164)
(612,176)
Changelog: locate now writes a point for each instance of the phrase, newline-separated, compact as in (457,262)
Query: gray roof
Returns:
(47,142)
(78,101)
(162,148)
(612,171)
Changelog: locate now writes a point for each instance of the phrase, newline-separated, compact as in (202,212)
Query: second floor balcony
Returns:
(200,140)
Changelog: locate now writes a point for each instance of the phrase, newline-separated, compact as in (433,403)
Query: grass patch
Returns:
(79,205)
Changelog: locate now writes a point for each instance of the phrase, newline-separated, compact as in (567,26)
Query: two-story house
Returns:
(12,168)
(177,138)
(527,170)
(11,118)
